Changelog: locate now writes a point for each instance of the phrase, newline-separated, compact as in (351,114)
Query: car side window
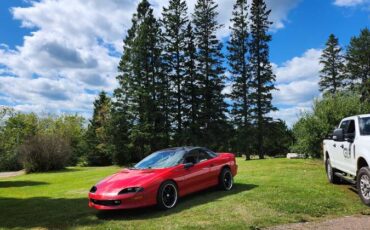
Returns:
(203,156)
(191,157)
(210,153)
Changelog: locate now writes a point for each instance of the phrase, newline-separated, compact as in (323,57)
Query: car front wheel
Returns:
(167,195)
(363,185)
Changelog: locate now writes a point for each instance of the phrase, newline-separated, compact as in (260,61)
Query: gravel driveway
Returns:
(359,222)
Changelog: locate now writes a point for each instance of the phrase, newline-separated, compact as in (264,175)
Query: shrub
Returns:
(42,153)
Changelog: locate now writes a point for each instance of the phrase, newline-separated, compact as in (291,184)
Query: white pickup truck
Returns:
(347,154)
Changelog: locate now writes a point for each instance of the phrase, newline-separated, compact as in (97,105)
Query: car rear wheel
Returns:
(363,185)
(167,195)
(226,180)
(330,172)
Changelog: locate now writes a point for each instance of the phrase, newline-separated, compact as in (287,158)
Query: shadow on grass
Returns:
(199,198)
(45,212)
(9,184)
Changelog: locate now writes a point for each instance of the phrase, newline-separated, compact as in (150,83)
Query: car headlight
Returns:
(130,190)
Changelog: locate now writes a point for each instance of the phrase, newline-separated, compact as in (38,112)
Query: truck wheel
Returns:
(330,172)
(363,185)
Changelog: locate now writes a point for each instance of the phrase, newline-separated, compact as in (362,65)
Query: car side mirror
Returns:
(338,135)
(188,165)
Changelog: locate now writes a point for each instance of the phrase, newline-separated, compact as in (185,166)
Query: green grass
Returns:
(267,192)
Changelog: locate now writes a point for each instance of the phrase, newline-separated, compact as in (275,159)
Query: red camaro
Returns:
(164,176)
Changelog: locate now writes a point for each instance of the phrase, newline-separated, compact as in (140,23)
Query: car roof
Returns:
(186,148)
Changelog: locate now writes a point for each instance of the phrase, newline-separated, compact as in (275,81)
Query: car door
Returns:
(346,147)
(195,176)
(207,161)
(337,157)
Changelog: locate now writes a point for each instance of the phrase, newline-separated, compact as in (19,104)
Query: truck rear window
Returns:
(365,126)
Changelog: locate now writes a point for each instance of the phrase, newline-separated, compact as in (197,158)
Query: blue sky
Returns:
(55,56)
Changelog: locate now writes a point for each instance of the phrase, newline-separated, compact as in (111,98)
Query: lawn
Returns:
(266,192)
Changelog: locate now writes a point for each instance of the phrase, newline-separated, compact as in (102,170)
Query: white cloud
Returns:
(297,84)
(350,2)
(296,92)
(292,114)
(299,68)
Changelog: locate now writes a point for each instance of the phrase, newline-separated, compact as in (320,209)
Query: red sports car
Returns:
(164,176)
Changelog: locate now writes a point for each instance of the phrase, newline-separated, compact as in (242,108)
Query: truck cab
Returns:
(348,152)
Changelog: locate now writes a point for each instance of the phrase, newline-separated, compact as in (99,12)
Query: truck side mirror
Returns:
(338,135)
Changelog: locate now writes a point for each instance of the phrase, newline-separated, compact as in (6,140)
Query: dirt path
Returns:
(11,174)
(359,222)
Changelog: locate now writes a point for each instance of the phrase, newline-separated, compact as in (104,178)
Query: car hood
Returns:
(127,178)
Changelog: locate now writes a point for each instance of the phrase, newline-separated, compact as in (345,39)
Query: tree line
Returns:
(345,84)
(172,79)
(173,73)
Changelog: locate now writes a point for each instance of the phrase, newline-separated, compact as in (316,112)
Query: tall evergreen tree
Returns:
(97,135)
(141,82)
(240,70)
(174,22)
(332,76)
(211,73)
(262,79)
(191,90)
(358,61)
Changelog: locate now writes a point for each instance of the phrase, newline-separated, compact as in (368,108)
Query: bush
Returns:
(43,153)
(313,127)
(14,129)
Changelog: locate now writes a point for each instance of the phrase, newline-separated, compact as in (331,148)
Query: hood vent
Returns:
(93,189)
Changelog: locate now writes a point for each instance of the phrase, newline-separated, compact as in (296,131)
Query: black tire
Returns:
(363,185)
(330,173)
(167,195)
(226,180)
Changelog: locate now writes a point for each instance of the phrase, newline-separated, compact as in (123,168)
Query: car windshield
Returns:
(365,126)
(161,159)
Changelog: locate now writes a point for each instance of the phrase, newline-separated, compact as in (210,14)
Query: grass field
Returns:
(266,192)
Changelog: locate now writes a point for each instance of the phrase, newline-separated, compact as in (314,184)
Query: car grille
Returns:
(106,202)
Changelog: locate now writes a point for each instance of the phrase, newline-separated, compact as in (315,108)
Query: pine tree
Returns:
(191,90)
(124,100)
(358,61)
(240,71)
(97,136)
(174,22)
(262,77)
(211,73)
(332,77)
(141,81)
